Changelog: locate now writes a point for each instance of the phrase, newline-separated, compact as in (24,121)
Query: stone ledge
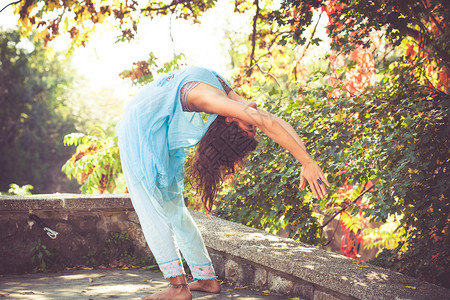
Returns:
(325,272)
(65,201)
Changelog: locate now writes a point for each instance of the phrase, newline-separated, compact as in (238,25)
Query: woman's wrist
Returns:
(307,161)
(305,158)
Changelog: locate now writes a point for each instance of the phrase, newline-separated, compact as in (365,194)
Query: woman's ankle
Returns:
(210,286)
(181,279)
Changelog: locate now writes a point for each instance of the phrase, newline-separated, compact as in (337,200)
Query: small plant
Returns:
(40,257)
(120,249)
(120,244)
(120,252)
(91,260)
(15,189)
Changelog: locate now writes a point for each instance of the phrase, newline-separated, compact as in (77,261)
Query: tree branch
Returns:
(168,6)
(272,76)
(344,208)
(252,55)
(314,31)
(12,3)
(432,17)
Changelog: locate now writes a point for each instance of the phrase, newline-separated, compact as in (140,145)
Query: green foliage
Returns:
(120,249)
(40,257)
(422,21)
(15,189)
(352,22)
(389,238)
(119,245)
(118,252)
(399,135)
(143,72)
(267,194)
(298,15)
(96,162)
(34,86)
(394,132)
(397,130)
(91,259)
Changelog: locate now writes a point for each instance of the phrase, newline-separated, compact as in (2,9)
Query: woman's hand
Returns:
(317,181)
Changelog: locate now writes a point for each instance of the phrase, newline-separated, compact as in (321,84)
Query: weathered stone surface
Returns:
(305,291)
(63,228)
(14,203)
(247,274)
(318,295)
(90,202)
(280,285)
(85,224)
(133,217)
(260,281)
(218,262)
(64,201)
(232,270)
(391,285)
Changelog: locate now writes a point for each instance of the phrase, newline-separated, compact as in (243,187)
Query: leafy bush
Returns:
(95,164)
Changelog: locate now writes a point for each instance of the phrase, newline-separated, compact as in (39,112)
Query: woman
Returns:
(162,121)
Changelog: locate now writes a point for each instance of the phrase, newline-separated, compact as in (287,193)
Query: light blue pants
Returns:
(168,227)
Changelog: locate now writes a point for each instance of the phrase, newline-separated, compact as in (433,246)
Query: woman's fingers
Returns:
(316,180)
(322,182)
(322,189)
(318,187)
(317,190)
(314,190)
(302,182)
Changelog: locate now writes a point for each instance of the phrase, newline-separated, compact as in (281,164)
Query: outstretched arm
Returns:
(211,100)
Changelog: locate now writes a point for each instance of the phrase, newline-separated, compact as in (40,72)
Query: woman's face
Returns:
(247,127)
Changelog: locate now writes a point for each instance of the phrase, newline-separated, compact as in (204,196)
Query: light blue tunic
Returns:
(154,131)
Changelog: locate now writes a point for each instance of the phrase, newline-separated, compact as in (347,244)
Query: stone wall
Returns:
(92,230)
(241,255)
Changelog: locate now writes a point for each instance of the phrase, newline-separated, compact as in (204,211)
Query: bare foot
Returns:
(171,294)
(209,286)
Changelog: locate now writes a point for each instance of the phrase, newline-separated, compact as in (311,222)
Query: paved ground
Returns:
(104,284)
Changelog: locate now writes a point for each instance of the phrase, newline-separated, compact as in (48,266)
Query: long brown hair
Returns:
(221,149)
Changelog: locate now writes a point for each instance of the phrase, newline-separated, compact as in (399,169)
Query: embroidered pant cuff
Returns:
(172,268)
(203,272)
